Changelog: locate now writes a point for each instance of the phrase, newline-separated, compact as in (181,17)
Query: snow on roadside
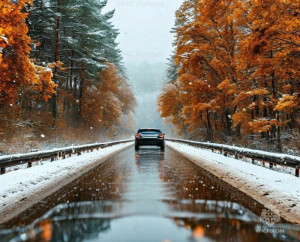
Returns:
(22,188)
(275,190)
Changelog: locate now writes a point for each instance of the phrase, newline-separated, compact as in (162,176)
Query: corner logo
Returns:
(270,216)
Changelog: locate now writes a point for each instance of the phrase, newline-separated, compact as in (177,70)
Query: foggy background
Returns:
(146,43)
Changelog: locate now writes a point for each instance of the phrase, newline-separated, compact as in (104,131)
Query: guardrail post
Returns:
(29,164)
(2,170)
(253,161)
(297,171)
(225,153)
(271,165)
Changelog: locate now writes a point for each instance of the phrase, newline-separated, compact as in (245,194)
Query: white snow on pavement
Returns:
(22,188)
(273,189)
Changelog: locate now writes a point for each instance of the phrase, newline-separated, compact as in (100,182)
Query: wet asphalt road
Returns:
(151,195)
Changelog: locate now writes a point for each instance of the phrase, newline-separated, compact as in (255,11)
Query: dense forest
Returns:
(62,79)
(234,76)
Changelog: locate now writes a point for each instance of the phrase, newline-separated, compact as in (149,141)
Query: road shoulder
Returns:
(275,190)
(23,188)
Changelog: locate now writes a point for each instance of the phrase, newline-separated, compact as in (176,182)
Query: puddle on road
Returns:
(112,221)
(148,196)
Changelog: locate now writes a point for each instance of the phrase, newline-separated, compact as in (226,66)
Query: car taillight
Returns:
(138,136)
(161,136)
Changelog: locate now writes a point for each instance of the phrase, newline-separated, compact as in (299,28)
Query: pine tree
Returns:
(63,49)
(84,45)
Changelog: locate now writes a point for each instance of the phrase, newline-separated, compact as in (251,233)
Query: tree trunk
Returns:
(209,128)
(228,121)
(55,72)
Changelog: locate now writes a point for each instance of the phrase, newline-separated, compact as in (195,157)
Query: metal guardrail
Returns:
(240,153)
(54,154)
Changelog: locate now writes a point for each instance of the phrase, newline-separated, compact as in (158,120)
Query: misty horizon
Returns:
(145,51)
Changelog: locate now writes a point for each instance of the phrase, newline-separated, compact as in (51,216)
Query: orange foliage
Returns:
(170,105)
(288,103)
(17,73)
(238,66)
(105,102)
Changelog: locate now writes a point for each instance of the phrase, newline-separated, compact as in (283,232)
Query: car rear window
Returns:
(149,131)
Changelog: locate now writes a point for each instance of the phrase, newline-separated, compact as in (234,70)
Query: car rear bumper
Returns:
(157,142)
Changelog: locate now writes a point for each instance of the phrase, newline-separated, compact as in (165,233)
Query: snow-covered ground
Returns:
(276,190)
(22,188)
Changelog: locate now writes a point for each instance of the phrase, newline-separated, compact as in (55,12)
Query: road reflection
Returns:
(147,159)
(108,221)
(147,195)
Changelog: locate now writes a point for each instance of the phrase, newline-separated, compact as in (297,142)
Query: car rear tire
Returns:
(136,147)
(162,147)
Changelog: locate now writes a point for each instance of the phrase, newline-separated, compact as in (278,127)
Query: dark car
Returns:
(153,137)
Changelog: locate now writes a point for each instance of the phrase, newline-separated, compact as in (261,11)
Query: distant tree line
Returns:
(62,75)
(235,72)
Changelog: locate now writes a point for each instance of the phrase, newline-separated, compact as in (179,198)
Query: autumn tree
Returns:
(171,106)
(84,45)
(22,81)
(206,54)
(238,68)
(269,97)
(18,74)
(60,51)
(105,102)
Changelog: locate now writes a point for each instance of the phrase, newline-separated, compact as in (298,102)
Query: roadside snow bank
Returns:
(22,188)
(273,189)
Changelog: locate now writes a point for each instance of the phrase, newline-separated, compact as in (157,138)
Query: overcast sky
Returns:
(144,27)
(146,43)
